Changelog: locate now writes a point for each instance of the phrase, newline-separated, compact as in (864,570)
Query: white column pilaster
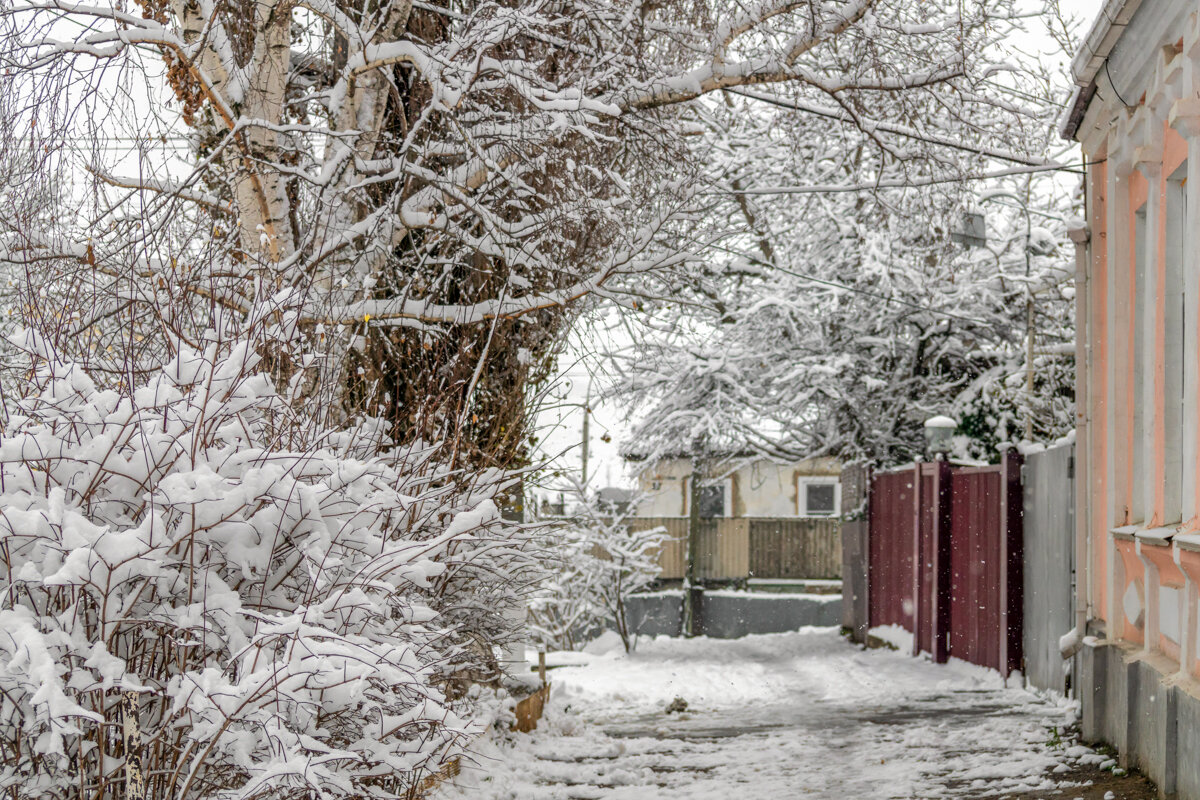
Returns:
(1146,132)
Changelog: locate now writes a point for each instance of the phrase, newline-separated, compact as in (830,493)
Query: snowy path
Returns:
(780,716)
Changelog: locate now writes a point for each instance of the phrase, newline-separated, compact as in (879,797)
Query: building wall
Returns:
(760,488)
(1141,335)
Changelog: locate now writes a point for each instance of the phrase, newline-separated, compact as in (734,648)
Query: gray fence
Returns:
(731,615)
(1049,509)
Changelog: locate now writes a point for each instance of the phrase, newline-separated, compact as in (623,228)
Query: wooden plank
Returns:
(794,548)
(673,552)
(529,710)
(733,549)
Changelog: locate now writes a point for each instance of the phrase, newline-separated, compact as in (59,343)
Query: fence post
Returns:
(855,530)
(942,573)
(916,575)
(1011,563)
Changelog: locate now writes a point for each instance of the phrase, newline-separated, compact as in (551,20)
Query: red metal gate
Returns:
(890,537)
(945,559)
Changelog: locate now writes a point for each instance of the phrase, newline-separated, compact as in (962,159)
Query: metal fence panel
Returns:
(1049,506)
(891,549)
(975,555)
(946,559)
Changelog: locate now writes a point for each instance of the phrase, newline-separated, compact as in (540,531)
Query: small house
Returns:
(760,522)
(739,489)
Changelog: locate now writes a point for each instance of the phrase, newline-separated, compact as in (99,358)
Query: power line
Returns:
(838,188)
(871,126)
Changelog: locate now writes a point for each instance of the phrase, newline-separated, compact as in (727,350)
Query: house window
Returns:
(714,499)
(1141,307)
(820,497)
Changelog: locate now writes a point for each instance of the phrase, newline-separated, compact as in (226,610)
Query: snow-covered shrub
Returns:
(602,560)
(287,602)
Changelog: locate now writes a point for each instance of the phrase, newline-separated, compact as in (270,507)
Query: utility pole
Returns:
(1028,328)
(1028,361)
(587,419)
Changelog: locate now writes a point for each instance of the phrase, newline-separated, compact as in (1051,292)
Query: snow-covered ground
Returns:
(784,715)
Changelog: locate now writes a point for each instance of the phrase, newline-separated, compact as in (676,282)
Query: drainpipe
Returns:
(1069,644)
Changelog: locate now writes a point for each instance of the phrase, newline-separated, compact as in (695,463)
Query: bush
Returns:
(289,604)
(602,561)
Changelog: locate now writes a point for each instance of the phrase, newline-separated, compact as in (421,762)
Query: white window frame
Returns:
(802,484)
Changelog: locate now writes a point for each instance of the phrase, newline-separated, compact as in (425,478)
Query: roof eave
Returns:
(1094,52)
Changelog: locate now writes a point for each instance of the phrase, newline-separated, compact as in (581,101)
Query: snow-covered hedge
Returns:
(281,599)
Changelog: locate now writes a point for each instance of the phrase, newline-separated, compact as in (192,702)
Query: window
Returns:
(714,499)
(1141,307)
(820,497)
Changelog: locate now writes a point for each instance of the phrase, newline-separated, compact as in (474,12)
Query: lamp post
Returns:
(939,431)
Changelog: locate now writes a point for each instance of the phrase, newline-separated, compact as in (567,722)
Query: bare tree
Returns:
(431,184)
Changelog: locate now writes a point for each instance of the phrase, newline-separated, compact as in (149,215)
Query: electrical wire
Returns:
(837,188)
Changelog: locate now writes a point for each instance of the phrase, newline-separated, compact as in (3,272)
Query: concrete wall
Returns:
(759,489)
(731,615)
(1136,702)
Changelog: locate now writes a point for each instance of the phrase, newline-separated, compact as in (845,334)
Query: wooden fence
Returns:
(748,547)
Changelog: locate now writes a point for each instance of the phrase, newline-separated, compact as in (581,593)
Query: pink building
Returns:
(1136,113)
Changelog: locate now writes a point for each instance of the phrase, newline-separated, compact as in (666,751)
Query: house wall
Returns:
(760,488)
(1139,677)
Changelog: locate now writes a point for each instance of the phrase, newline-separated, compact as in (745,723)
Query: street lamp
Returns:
(975,235)
(938,434)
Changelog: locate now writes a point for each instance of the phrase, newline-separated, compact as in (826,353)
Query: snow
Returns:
(1070,642)
(160,511)
(816,598)
(795,581)
(894,635)
(791,714)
